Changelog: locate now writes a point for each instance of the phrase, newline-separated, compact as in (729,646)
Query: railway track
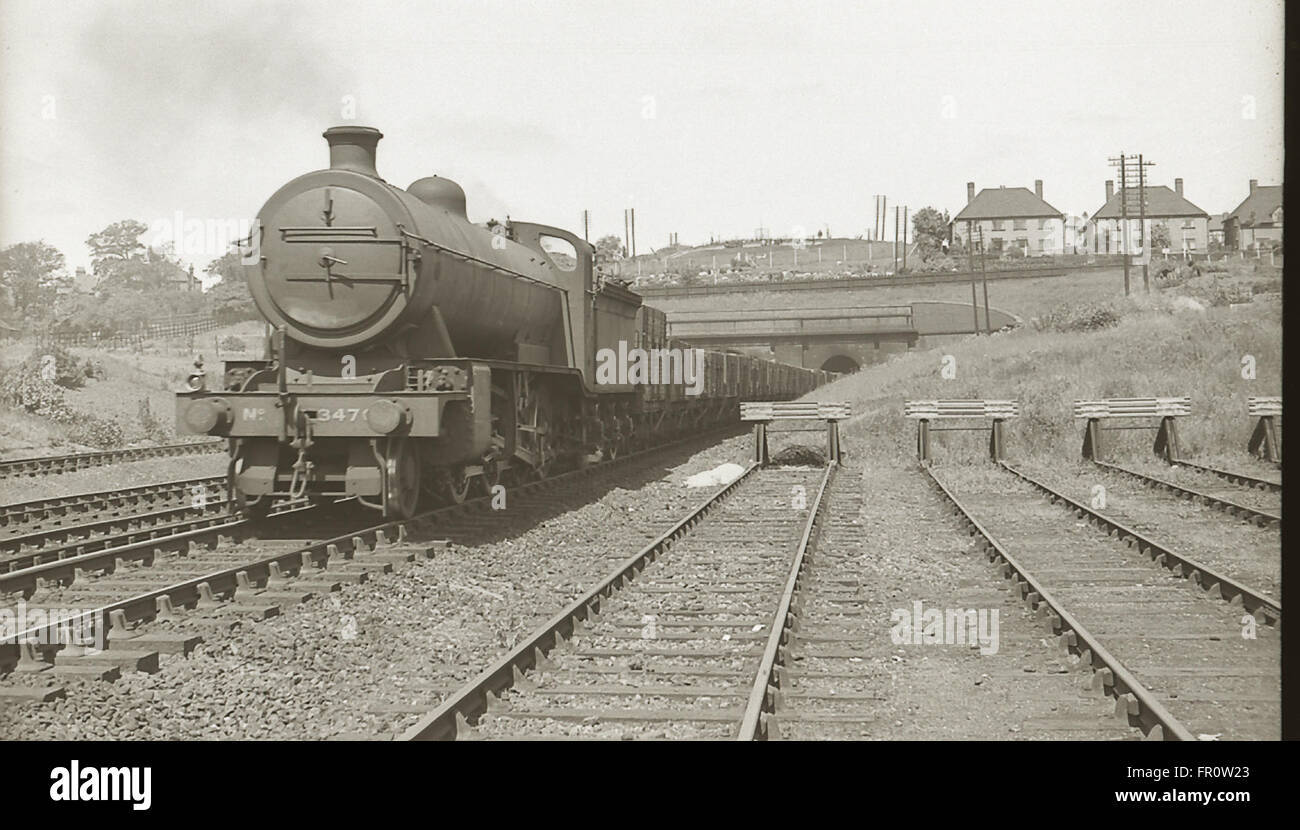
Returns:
(1182,664)
(1230,503)
(54,464)
(62,541)
(680,640)
(1253,482)
(145,592)
(107,503)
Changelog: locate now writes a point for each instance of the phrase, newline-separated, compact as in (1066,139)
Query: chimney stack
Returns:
(1110,189)
(1038,188)
(1254,183)
(1178,186)
(353,148)
(970,192)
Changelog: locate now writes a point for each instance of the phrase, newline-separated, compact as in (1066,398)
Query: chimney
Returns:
(1178,186)
(970,192)
(1038,188)
(1254,183)
(353,148)
(1110,189)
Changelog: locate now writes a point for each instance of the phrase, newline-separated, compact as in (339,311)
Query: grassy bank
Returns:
(1159,346)
(129,400)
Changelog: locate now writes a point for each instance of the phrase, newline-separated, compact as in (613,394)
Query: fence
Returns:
(182,326)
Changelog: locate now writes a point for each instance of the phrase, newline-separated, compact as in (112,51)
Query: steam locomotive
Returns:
(415,357)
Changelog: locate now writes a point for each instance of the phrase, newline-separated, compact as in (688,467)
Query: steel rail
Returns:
(52,464)
(1206,577)
(1261,517)
(206,587)
(72,505)
(246,575)
(69,569)
(1235,478)
(56,541)
(465,705)
(1131,697)
(755,723)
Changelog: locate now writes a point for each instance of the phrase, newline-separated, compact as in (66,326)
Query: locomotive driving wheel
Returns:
(402,478)
(453,483)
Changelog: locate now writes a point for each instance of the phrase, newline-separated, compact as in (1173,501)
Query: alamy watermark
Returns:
(78,627)
(651,367)
(206,238)
(949,627)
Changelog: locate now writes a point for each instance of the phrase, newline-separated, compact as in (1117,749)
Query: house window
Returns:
(998,225)
(1018,225)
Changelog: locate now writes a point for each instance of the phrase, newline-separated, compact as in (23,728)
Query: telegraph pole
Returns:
(586,222)
(904,237)
(884,216)
(1133,170)
(1142,225)
(895,241)
(988,325)
(970,266)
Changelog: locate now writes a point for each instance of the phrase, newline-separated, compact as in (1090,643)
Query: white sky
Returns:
(792,114)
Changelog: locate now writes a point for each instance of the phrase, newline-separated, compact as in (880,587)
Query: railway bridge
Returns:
(838,339)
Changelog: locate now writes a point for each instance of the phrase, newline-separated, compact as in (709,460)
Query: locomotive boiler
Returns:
(415,356)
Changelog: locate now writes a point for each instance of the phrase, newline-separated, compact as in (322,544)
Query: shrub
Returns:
(1168,275)
(152,427)
(24,387)
(233,343)
(93,369)
(1076,317)
(94,431)
(1218,292)
(58,365)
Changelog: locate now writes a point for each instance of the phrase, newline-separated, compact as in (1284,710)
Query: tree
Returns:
(226,268)
(1159,237)
(117,243)
(929,230)
(609,248)
(229,298)
(121,261)
(30,276)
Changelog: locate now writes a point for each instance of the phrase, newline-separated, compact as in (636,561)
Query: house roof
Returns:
(1161,201)
(1262,203)
(1216,222)
(1006,203)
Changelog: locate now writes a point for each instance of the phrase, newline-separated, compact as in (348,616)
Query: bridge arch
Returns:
(843,364)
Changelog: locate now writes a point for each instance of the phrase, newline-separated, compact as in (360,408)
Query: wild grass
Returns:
(1156,347)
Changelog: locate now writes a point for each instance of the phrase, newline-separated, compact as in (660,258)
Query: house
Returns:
(1187,224)
(1257,220)
(1007,217)
(179,280)
(1216,229)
